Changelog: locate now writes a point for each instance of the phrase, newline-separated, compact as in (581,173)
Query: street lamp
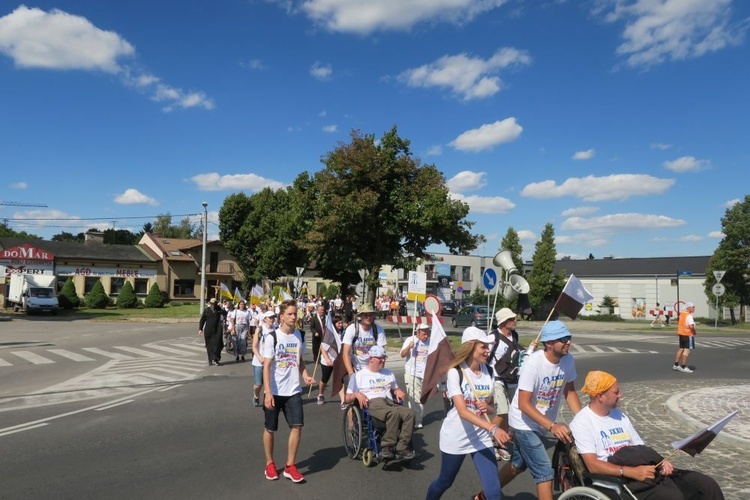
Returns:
(203,257)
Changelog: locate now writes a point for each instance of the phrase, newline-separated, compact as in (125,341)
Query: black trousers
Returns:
(684,484)
(214,345)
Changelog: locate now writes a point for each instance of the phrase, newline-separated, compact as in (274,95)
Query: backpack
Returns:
(506,368)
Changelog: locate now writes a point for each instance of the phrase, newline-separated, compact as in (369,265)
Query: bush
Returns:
(97,298)
(68,298)
(127,299)
(154,297)
(601,317)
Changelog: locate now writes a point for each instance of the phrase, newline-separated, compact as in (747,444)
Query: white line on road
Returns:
(4,363)
(170,388)
(196,348)
(140,352)
(107,354)
(70,355)
(114,405)
(23,429)
(171,350)
(32,357)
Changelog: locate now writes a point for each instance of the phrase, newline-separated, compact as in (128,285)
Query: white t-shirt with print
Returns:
(361,348)
(545,381)
(457,436)
(285,362)
(261,342)
(416,358)
(603,435)
(373,384)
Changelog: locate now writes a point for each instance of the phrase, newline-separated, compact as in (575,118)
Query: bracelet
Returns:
(551,426)
(493,430)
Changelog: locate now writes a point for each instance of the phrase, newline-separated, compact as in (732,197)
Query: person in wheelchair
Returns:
(603,434)
(371,388)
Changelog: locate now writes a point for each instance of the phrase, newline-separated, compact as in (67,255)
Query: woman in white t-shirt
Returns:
(268,318)
(328,355)
(467,429)
(239,326)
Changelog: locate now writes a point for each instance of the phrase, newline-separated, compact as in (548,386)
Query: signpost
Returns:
(718,290)
(489,278)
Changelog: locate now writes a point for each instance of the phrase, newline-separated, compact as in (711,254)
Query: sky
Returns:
(623,123)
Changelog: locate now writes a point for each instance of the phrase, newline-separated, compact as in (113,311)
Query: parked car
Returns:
(448,308)
(471,316)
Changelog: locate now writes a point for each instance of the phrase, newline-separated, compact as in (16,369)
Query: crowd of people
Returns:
(502,399)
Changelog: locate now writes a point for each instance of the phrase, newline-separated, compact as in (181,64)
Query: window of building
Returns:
(89,283)
(466,273)
(213,262)
(183,288)
(141,286)
(115,285)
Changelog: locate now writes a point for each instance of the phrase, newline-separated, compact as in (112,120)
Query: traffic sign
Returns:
(489,277)
(684,273)
(719,289)
(718,275)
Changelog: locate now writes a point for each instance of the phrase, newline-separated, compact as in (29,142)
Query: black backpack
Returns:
(506,368)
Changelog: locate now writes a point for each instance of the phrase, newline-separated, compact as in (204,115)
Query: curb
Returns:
(674,410)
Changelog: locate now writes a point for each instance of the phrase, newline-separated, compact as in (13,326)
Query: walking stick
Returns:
(317,361)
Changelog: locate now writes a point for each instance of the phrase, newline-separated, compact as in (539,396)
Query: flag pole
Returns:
(313,373)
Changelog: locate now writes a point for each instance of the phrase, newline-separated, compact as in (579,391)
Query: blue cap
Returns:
(553,330)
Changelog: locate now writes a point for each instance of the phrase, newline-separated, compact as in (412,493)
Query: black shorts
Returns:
(325,373)
(687,342)
(292,408)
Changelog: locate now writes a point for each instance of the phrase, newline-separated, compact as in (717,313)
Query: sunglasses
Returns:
(565,340)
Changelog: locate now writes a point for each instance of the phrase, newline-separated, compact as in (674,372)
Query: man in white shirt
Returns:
(373,387)
(414,352)
(359,338)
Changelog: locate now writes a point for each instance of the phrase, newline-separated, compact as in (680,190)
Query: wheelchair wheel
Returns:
(583,492)
(368,457)
(352,431)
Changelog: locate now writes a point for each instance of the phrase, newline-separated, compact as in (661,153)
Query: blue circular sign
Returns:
(489,277)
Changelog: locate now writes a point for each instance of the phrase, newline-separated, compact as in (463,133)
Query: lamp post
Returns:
(203,257)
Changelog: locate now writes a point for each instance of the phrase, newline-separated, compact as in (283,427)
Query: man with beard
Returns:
(211,327)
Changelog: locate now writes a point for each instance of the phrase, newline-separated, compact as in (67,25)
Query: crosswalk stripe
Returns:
(196,348)
(140,352)
(107,354)
(152,369)
(171,350)
(595,348)
(70,355)
(32,357)
(4,363)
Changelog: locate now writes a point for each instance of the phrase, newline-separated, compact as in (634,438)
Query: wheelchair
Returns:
(362,433)
(574,481)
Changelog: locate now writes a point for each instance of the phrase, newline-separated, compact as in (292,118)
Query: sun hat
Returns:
(474,333)
(377,351)
(366,309)
(504,315)
(423,326)
(688,305)
(269,314)
(598,382)
(554,330)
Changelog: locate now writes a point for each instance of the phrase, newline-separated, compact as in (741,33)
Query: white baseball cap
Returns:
(269,314)
(423,326)
(474,333)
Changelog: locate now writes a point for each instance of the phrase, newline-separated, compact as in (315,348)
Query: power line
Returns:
(76,219)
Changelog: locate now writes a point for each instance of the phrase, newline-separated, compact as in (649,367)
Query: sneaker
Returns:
(406,454)
(291,472)
(343,406)
(480,496)
(321,399)
(271,473)
(676,368)
(387,452)
(502,454)
(419,425)
(685,369)
(256,402)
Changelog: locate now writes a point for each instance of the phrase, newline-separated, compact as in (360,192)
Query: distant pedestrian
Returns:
(318,328)
(666,314)
(211,327)
(686,334)
(239,327)
(414,352)
(657,316)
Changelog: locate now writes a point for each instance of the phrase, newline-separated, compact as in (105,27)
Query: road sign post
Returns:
(489,278)
(718,290)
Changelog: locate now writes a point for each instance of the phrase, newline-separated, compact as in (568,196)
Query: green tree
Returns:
(127,299)
(121,237)
(97,297)
(544,285)
(68,298)
(7,232)
(65,236)
(154,299)
(184,230)
(607,305)
(732,256)
(512,243)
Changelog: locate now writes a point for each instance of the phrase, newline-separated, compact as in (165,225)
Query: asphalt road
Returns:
(129,410)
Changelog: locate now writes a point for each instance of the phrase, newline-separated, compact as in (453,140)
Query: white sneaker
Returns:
(685,369)
(676,368)
(321,399)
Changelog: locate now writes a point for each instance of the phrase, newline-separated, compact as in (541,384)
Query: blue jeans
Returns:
(529,452)
(486,465)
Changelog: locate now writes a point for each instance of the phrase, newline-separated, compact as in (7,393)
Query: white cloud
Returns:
(488,136)
(254,64)
(236,182)
(19,185)
(731,203)
(690,238)
(593,189)
(38,218)
(134,197)
(321,71)
(579,211)
(468,77)
(584,155)
(486,204)
(716,234)
(330,129)
(467,181)
(660,30)
(619,222)
(56,40)
(687,164)
(355,16)
(526,235)
(434,150)
(661,146)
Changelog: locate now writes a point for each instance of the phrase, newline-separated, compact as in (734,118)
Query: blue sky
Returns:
(624,123)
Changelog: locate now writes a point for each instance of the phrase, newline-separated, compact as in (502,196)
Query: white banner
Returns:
(114,272)
(417,289)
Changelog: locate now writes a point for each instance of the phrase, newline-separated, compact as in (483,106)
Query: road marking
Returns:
(170,388)
(196,348)
(140,352)
(70,355)
(114,405)
(32,357)
(23,429)
(172,350)
(4,363)
(107,354)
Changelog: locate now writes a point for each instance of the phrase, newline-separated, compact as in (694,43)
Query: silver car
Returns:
(471,316)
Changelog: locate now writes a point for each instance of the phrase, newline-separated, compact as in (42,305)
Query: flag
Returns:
(439,357)
(698,441)
(255,294)
(284,294)
(573,297)
(224,292)
(238,296)
(333,339)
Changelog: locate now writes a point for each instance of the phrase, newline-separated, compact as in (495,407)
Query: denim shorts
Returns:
(292,408)
(257,375)
(530,452)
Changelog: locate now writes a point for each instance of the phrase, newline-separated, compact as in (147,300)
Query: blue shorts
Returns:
(257,375)
(292,408)
(530,452)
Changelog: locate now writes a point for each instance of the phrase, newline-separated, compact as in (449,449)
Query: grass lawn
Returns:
(168,312)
